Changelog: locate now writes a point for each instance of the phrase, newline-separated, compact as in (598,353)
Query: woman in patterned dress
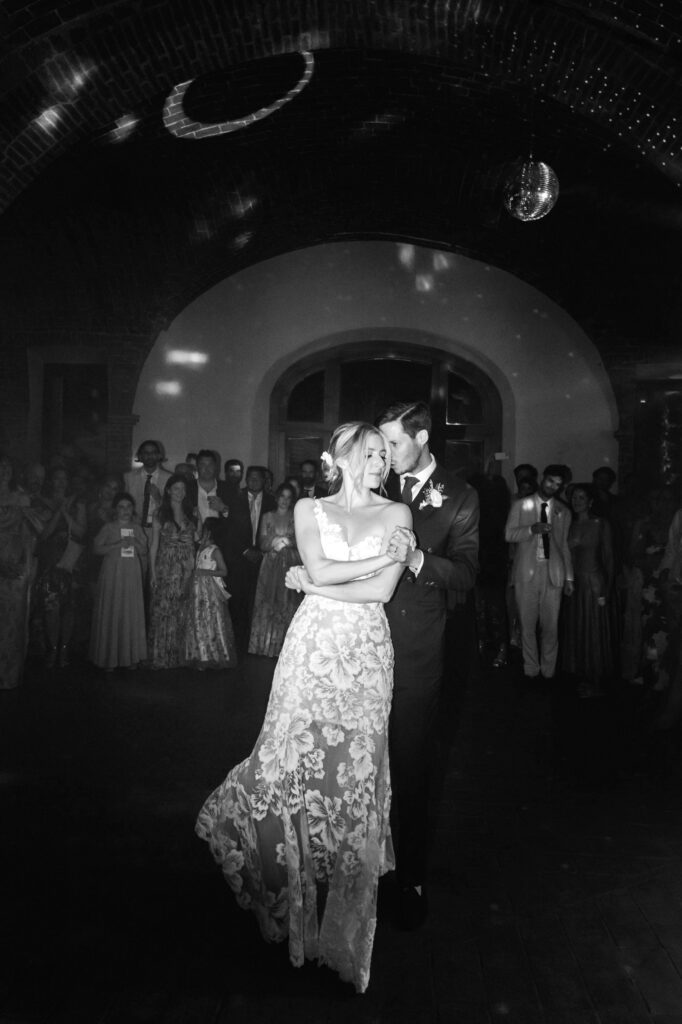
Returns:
(275,603)
(171,562)
(209,637)
(301,827)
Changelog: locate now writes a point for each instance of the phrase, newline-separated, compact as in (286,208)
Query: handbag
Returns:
(70,555)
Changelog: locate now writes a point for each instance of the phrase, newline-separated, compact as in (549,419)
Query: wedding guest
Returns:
(491,584)
(209,637)
(295,485)
(61,568)
(146,484)
(213,495)
(118,637)
(538,527)
(586,647)
(97,513)
(187,472)
(300,828)
(526,478)
(667,710)
(244,524)
(275,603)
(310,486)
(234,473)
(172,565)
(16,544)
(644,633)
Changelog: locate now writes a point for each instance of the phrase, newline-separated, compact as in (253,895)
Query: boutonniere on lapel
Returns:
(433,497)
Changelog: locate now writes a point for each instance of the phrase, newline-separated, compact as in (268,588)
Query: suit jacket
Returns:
(448,537)
(319,491)
(224,528)
(522,515)
(135,483)
(240,514)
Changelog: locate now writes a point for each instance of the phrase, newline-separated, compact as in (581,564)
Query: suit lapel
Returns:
(421,497)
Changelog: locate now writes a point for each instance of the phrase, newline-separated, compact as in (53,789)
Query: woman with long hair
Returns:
(171,560)
(275,603)
(301,827)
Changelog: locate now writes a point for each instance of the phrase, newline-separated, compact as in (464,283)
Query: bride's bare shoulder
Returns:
(393,510)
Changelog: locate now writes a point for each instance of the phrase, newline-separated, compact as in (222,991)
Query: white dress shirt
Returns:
(539,502)
(255,503)
(422,476)
(205,512)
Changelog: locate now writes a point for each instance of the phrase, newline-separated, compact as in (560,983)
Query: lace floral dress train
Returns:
(301,827)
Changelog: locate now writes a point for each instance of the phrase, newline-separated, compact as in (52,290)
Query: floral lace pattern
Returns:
(301,827)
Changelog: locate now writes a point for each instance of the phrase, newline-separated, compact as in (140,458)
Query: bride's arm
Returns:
(378,587)
(325,571)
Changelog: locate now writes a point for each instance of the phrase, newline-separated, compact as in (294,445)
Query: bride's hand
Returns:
(400,544)
(297,578)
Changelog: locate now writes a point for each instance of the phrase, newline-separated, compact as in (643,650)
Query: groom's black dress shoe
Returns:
(413,908)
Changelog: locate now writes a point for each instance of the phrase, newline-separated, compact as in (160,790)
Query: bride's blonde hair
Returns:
(349,441)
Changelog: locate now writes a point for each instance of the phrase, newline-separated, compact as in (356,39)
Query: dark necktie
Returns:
(146,499)
(545,536)
(406,493)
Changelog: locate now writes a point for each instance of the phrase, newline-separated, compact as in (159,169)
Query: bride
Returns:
(300,828)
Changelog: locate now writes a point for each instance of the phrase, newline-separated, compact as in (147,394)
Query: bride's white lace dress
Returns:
(300,828)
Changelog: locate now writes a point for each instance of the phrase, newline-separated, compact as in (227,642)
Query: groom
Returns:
(439,572)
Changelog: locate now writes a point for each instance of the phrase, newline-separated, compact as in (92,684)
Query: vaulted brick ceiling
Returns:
(406,129)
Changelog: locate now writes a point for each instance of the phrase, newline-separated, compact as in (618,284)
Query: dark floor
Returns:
(556,888)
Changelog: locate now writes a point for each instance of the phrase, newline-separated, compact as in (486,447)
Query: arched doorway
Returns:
(357,380)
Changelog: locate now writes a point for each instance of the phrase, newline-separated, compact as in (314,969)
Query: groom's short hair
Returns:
(414,416)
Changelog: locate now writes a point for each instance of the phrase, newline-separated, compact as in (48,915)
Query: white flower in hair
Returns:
(327,459)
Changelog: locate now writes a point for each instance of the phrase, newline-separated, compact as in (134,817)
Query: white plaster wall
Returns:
(557,399)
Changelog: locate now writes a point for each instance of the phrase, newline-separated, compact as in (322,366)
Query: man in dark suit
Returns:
(440,570)
(212,499)
(309,485)
(246,515)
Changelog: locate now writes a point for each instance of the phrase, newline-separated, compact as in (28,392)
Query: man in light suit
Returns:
(146,485)
(440,571)
(542,571)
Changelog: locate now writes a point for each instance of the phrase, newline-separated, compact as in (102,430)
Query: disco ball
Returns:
(531,190)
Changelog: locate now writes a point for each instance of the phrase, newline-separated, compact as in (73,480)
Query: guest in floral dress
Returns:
(209,639)
(171,569)
(275,603)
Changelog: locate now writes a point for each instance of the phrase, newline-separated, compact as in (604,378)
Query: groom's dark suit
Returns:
(448,537)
